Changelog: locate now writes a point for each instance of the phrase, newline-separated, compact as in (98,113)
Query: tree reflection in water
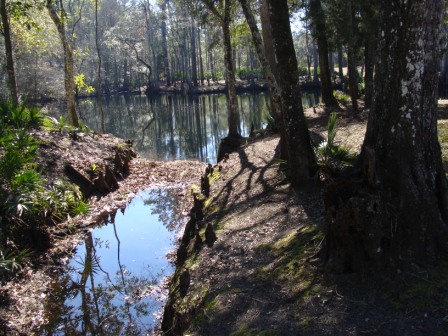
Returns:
(175,127)
(107,293)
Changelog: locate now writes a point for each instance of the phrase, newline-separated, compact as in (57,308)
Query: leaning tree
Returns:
(396,212)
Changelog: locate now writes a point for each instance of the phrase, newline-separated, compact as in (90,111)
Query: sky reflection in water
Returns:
(112,286)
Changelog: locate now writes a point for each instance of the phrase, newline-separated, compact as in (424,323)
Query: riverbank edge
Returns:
(182,308)
(119,176)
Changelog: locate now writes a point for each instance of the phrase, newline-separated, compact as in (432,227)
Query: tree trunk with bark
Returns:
(9,53)
(301,159)
(233,117)
(397,214)
(56,14)
(276,101)
(315,61)
(201,60)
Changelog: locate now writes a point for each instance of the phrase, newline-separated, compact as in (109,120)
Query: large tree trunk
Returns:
(301,159)
(401,216)
(69,72)
(267,36)
(233,117)
(265,62)
(320,32)
(9,54)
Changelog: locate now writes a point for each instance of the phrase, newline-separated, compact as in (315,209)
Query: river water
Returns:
(177,127)
(113,285)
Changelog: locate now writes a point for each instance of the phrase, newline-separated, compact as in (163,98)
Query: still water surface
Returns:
(178,127)
(113,284)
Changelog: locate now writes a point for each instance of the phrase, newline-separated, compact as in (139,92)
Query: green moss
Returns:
(194,189)
(205,304)
(245,331)
(308,324)
(428,290)
(214,176)
(289,266)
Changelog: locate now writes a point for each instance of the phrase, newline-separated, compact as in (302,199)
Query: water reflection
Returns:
(173,127)
(112,286)
(177,127)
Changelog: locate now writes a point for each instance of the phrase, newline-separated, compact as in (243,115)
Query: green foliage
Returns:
(303,71)
(62,125)
(247,73)
(332,156)
(25,201)
(342,97)
(18,150)
(19,116)
(443,139)
(81,85)
(11,261)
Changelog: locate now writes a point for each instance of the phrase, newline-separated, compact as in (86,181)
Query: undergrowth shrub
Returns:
(26,203)
(331,155)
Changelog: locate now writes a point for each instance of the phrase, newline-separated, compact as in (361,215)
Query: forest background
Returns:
(143,45)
